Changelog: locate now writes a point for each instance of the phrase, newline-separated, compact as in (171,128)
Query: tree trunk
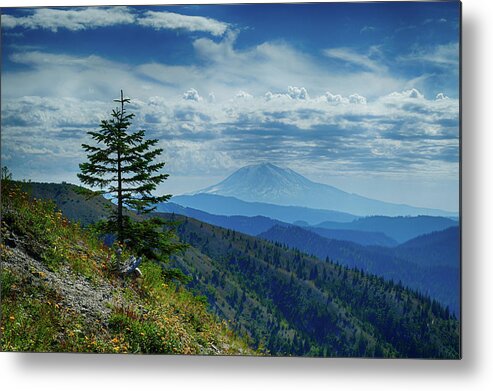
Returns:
(120,202)
(120,199)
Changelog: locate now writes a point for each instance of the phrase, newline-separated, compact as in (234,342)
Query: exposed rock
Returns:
(92,300)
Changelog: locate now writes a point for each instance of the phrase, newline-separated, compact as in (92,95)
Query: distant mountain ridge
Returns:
(422,267)
(230,206)
(365,238)
(398,228)
(254,225)
(250,225)
(439,248)
(272,184)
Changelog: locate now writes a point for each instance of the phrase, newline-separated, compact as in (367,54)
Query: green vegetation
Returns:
(51,267)
(294,304)
(417,266)
(68,198)
(283,301)
(46,233)
(122,164)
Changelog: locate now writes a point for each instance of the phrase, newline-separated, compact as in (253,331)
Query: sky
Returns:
(361,96)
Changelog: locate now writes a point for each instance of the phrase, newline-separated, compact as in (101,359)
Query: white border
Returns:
(474,372)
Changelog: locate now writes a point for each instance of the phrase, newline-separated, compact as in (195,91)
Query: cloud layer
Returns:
(227,99)
(354,58)
(240,121)
(72,20)
(396,133)
(96,17)
(174,21)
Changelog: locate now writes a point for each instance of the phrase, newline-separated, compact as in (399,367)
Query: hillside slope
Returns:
(60,294)
(441,248)
(67,197)
(282,300)
(294,304)
(417,268)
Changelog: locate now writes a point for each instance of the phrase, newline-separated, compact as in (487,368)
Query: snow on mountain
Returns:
(272,184)
(263,183)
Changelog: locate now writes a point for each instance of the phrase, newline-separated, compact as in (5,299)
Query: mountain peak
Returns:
(265,166)
(268,183)
(261,165)
(262,182)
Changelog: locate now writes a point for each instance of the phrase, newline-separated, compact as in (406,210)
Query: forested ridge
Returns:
(296,304)
(289,303)
(427,265)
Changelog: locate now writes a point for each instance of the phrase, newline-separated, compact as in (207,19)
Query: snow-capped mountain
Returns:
(263,183)
(275,185)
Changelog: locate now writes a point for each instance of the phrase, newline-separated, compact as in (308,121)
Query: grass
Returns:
(46,233)
(148,315)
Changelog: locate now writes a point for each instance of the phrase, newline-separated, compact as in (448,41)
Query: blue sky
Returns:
(361,96)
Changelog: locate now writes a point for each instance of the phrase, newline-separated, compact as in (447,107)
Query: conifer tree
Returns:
(122,164)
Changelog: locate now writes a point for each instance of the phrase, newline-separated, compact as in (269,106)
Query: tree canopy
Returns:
(123,164)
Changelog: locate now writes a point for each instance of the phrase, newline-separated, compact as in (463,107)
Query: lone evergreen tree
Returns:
(122,164)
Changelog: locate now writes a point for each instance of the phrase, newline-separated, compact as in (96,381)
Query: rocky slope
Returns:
(60,293)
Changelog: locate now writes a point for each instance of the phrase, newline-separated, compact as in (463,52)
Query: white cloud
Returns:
(293,93)
(298,93)
(51,114)
(173,75)
(89,77)
(441,96)
(218,51)
(352,57)
(277,64)
(188,158)
(367,29)
(73,19)
(224,71)
(446,55)
(42,137)
(174,21)
(95,78)
(243,95)
(95,17)
(38,58)
(412,93)
(270,96)
(211,138)
(357,98)
(336,99)
(331,98)
(260,93)
(192,94)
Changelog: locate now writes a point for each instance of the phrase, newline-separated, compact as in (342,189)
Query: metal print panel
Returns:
(265,179)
